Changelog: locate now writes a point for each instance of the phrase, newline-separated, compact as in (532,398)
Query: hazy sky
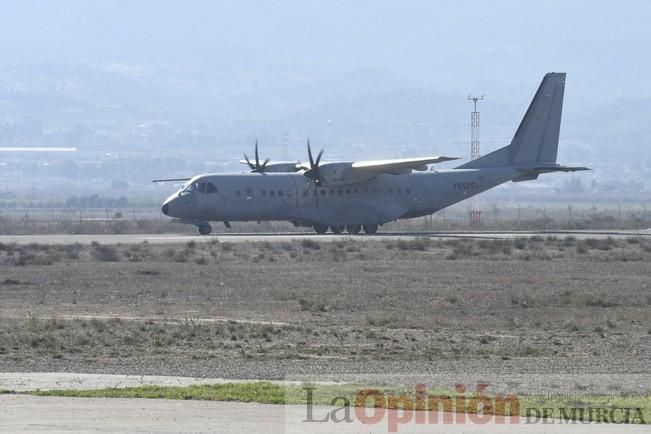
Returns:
(497,44)
(243,69)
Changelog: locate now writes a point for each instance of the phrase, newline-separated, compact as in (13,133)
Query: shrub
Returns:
(312,305)
(569,241)
(181,256)
(582,247)
(598,301)
(104,253)
(601,243)
(310,244)
(419,244)
(461,249)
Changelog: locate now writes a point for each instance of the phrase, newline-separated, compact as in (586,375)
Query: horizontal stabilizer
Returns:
(550,169)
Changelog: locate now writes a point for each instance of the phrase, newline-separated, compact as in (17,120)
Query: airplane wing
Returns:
(399,165)
(171,179)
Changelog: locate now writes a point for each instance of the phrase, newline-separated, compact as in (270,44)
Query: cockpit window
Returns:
(189,188)
(201,187)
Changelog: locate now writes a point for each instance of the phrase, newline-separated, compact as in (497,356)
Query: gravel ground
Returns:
(455,308)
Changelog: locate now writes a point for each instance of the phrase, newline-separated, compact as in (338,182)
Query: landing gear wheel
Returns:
(204,229)
(370,229)
(337,229)
(320,229)
(353,229)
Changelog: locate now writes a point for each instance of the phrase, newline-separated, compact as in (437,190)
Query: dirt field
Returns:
(261,310)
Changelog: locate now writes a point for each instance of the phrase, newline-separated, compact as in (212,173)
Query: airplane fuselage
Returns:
(291,197)
(366,194)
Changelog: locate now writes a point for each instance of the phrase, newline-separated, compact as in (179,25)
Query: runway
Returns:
(27,414)
(292,236)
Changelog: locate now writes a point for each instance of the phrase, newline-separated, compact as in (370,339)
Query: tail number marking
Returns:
(467,185)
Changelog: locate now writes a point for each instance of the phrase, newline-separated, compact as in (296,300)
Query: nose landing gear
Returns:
(204,228)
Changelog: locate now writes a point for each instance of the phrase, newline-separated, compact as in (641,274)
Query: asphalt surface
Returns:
(290,236)
(28,414)
(30,381)
(22,413)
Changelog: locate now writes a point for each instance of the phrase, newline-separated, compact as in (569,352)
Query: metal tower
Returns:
(475,212)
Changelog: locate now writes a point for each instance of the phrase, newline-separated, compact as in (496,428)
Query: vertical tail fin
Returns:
(536,140)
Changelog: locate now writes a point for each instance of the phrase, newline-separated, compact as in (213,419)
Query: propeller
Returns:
(257,167)
(313,173)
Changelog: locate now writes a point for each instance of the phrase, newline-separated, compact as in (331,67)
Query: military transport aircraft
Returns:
(351,196)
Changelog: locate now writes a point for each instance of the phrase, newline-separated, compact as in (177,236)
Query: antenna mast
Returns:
(475,212)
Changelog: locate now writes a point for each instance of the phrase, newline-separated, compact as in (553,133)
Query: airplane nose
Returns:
(165,209)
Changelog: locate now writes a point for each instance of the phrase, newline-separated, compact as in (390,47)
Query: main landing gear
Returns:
(370,229)
(351,229)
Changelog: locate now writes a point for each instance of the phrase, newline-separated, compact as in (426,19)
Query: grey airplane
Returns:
(363,195)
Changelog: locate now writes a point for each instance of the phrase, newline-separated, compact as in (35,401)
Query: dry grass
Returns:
(420,300)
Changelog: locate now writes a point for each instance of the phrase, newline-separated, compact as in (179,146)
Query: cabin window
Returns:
(399,191)
(355,191)
(340,192)
(264,193)
(391,191)
(323,192)
(202,187)
(407,191)
(280,193)
(211,188)
(272,193)
(249,193)
(332,192)
(238,193)
(347,191)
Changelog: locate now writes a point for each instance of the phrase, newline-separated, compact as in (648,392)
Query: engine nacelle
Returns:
(334,174)
(282,167)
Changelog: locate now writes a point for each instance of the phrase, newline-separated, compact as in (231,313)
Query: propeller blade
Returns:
(257,159)
(248,162)
(318,158)
(313,171)
(309,154)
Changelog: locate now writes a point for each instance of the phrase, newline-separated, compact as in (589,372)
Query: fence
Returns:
(495,217)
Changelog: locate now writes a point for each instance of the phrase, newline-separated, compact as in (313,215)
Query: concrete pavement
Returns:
(291,236)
